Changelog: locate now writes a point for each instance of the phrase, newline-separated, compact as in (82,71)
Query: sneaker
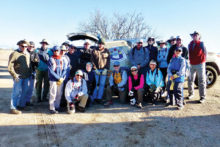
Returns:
(180,107)
(202,100)
(80,109)
(53,112)
(29,104)
(108,103)
(190,97)
(139,106)
(164,94)
(71,109)
(23,108)
(15,111)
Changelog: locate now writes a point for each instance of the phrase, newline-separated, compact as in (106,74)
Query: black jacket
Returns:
(172,50)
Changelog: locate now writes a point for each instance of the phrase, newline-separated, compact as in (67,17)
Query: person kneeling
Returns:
(76,93)
(136,87)
(176,74)
(154,81)
(117,84)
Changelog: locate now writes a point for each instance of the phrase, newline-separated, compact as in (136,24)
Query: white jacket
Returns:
(73,88)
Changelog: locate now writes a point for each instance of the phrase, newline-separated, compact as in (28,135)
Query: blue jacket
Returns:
(123,81)
(56,69)
(44,56)
(155,78)
(177,66)
(162,57)
(140,56)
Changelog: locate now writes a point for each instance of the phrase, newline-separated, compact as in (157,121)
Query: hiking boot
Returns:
(23,108)
(139,106)
(29,104)
(108,103)
(80,109)
(53,112)
(15,111)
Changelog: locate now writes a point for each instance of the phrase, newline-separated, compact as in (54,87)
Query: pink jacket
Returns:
(137,87)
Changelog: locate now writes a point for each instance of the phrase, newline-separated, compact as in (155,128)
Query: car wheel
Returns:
(211,76)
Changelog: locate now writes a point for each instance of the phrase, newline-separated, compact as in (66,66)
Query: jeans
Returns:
(100,85)
(201,71)
(19,93)
(30,89)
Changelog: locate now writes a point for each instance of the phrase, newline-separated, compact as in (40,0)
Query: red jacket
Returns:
(197,53)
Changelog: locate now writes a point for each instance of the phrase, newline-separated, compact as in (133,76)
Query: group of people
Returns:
(76,78)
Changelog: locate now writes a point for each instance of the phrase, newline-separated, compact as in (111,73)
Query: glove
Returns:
(157,90)
(104,72)
(97,72)
(131,93)
(60,81)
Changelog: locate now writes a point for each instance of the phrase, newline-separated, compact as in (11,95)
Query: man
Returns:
(76,93)
(136,86)
(117,84)
(19,67)
(57,72)
(42,71)
(85,55)
(74,56)
(176,76)
(154,82)
(197,58)
(100,59)
(139,56)
(153,50)
(172,49)
(34,64)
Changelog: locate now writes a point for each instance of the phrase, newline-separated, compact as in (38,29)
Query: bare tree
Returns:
(119,26)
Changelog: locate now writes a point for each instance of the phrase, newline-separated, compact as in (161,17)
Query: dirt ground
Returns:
(119,125)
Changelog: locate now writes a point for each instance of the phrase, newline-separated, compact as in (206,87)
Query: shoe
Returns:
(80,109)
(53,112)
(99,101)
(108,103)
(164,94)
(180,107)
(190,97)
(29,104)
(139,106)
(15,111)
(23,108)
(71,109)
(202,101)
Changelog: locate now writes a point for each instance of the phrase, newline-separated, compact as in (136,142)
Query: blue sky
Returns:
(54,19)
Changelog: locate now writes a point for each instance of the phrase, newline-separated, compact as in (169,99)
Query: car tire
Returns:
(211,75)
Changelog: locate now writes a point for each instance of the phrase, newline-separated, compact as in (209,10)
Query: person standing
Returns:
(162,60)
(197,58)
(153,50)
(85,56)
(19,67)
(57,72)
(34,64)
(117,84)
(176,75)
(100,60)
(139,57)
(42,71)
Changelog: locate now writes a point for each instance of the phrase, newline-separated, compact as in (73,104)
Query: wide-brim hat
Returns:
(23,42)
(194,33)
(162,42)
(140,41)
(151,38)
(66,43)
(101,41)
(44,41)
(179,49)
(63,48)
(31,43)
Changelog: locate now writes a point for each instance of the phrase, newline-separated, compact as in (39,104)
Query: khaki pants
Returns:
(122,94)
(55,95)
(82,101)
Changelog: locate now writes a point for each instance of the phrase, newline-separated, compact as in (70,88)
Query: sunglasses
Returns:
(79,76)
(23,46)
(178,50)
(56,51)
(178,39)
(116,65)
(140,43)
(133,70)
